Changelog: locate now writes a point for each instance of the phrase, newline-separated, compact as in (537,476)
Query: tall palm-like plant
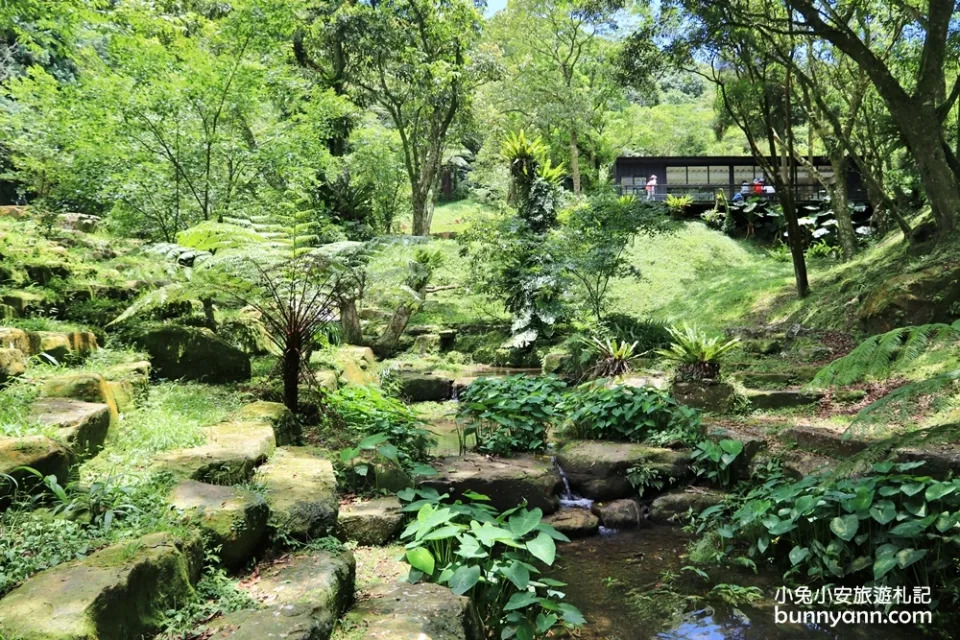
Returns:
(696,353)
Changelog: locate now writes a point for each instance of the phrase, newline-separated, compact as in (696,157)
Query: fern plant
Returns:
(677,205)
(881,355)
(612,357)
(696,353)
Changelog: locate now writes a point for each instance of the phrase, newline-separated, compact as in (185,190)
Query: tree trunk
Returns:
(575,160)
(939,181)
(350,321)
(421,213)
(291,372)
(388,342)
(841,208)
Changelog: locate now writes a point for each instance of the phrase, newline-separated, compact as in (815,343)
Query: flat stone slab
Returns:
(823,440)
(413,612)
(89,387)
(574,523)
(598,469)
(673,505)
(799,464)
(118,593)
(233,450)
(371,523)
(286,428)
(782,398)
(302,492)
(13,363)
(38,452)
(287,622)
(82,425)
(940,460)
(506,481)
(233,519)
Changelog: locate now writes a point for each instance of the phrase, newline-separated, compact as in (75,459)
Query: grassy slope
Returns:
(454,216)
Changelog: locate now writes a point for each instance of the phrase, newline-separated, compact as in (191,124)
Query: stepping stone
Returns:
(673,505)
(304,595)
(506,481)
(413,612)
(45,455)
(129,383)
(82,425)
(823,439)
(286,428)
(706,395)
(372,523)
(621,514)
(233,519)
(233,450)
(782,398)
(598,470)
(574,523)
(13,364)
(302,492)
(118,593)
(89,387)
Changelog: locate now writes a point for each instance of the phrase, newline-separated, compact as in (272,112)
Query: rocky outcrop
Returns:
(598,469)
(37,452)
(82,425)
(231,453)
(192,353)
(414,612)
(232,519)
(919,297)
(301,489)
(506,481)
(286,428)
(303,596)
(118,593)
(13,364)
(574,523)
(673,505)
(371,523)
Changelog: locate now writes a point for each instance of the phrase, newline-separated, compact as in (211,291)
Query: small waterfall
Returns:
(568,498)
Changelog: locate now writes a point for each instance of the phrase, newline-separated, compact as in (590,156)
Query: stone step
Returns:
(57,344)
(118,593)
(82,425)
(413,612)
(231,518)
(37,452)
(824,440)
(782,398)
(231,454)
(301,490)
(940,460)
(88,387)
(286,428)
(13,364)
(506,481)
(370,523)
(598,470)
(303,595)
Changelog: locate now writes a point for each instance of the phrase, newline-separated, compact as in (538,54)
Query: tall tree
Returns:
(413,59)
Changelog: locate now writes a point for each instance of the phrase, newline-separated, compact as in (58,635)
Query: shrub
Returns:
(600,412)
(611,357)
(697,354)
(512,414)
(648,334)
(714,460)
(493,558)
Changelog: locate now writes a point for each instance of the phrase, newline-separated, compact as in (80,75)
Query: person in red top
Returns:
(651,187)
(758,186)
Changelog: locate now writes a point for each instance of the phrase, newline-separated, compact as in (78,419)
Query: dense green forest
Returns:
(370,319)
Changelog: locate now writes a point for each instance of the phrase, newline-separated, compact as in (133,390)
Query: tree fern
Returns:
(881,355)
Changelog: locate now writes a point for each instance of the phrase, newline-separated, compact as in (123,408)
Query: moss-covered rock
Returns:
(43,273)
(82,425)
(426,387)
(555,362)
(280,622)
(13,364)
(673,505)
(130,383)
(627,513)
(427,343)
(192,353)
(919,297)
(118,593)
(62,345)
(24,302)
(598,470)
(301,489)
(286,427)
(708,395)
(782,398)
(12,338)
(232,519)
(370,523)
(48,457)
(414,612)
(231,453)
(89,387)
(574,523)
(507,481)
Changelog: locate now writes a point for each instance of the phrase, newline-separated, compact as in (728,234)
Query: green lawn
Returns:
(454,216)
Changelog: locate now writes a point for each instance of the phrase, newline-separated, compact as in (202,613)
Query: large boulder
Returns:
(301,489)
(370,523)
(673,505)
(918,297)
(24,303)
(303,594)
(940,460)
(706,395)
(82,425)
(62,345)
(37,452)
(89,387)
(574,523)
(232,519)
(598,469)
(13,364)
(425,387)
(506,481)
(621,514)
(192,353)
(231,453)
(414,612)
(12,338)
(118,593)
(285,426)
